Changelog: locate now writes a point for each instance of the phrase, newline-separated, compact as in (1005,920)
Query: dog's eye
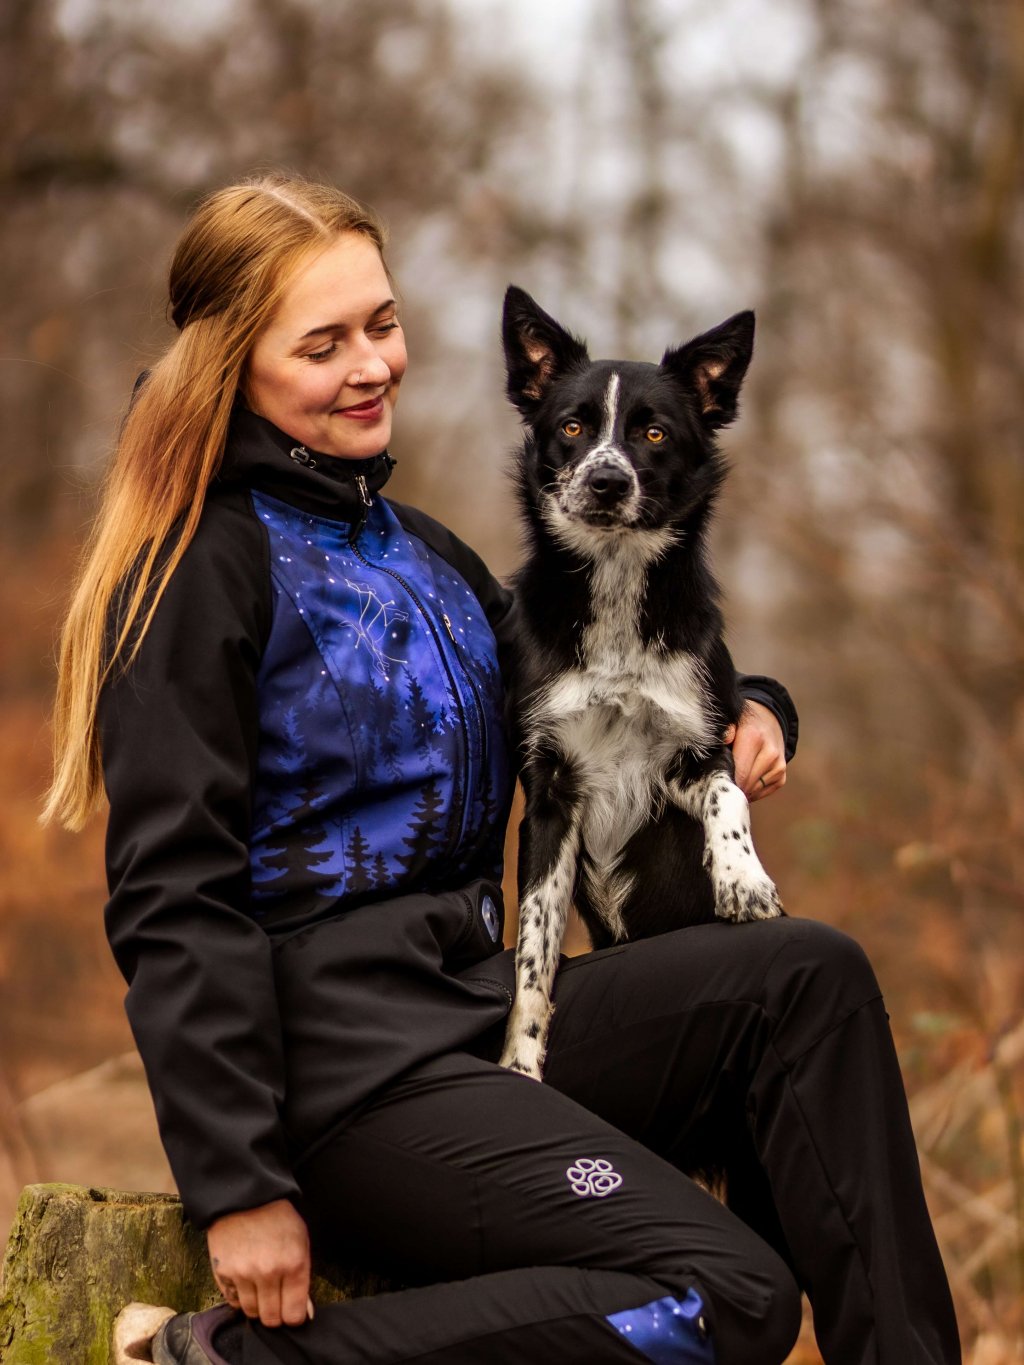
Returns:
(655,435)
(572,427)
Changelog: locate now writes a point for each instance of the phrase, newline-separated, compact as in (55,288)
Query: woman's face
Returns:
(327,367)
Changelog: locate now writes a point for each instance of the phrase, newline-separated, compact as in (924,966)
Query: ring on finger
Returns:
(762,782)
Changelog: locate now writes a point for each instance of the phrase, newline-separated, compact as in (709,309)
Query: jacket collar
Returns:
(261,456)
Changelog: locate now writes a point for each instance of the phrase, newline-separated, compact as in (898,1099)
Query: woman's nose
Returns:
(370,368)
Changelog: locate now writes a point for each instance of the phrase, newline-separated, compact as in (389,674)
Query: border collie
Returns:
(623,685)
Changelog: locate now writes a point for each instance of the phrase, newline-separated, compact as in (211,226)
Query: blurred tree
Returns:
(859,175)
(121,121)
(889,395)
(852,168)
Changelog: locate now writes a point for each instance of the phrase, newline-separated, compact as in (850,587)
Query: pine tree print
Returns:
(422,720)
(391,754)
(381,875)
(457,811)
(357,872)
(387,721)
(294,759)
(427,830)
(373,732)
(297,862)
(451,718)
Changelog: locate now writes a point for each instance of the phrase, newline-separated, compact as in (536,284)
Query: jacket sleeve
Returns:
(178,735)
(754,687)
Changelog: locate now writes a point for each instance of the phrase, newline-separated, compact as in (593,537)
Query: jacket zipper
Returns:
(484,834)
(477,703)
(367,503)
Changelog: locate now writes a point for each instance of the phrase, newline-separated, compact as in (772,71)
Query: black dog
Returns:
(624,686)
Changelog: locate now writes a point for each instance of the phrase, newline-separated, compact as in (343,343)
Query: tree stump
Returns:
(77,1256)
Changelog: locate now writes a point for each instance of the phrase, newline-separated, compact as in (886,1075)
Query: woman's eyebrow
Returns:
(340,326)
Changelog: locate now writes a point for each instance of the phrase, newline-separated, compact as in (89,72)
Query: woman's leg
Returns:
(778,1027)
(567,1241)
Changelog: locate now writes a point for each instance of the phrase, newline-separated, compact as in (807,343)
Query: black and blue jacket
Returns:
(309,785)
(382,761)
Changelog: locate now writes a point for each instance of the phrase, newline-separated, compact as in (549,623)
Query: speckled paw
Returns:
(747,898)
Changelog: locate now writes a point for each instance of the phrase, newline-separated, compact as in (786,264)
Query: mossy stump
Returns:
(76,1256)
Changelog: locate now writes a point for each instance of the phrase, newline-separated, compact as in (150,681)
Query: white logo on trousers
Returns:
(593,1177)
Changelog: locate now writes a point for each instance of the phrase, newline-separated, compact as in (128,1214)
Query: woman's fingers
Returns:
(274,1299)
(296,1305)
(758,752)
(745,756)
(269,1298)
(768,785)
(260,1258)
(247,1298)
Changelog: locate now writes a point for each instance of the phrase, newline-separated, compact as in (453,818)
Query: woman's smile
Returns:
(369,410)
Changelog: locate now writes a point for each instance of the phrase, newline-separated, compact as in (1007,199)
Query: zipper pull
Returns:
(302,456)
(448,628)
(367,501)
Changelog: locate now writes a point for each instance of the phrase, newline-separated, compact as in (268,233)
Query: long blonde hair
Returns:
(231,265)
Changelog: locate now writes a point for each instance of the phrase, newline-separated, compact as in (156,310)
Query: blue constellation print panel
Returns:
(667,1331)
(382,757)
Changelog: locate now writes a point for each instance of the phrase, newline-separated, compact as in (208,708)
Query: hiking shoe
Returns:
(188,1338)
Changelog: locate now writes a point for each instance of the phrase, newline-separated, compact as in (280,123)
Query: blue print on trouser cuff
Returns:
(667,1331)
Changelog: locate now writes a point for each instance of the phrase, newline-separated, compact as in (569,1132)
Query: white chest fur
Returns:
(621,715)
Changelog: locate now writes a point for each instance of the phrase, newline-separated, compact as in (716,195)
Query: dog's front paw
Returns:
(526,1035)
(747,896)
(518,1058)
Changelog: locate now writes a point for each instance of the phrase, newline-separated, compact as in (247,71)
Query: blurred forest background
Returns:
(850,168)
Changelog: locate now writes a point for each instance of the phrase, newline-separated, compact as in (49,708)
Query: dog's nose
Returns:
(609,482)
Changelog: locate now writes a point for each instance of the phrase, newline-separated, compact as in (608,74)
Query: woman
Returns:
(291,689)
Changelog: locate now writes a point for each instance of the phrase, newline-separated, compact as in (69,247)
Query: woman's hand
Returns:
(260,1260)
(758,751)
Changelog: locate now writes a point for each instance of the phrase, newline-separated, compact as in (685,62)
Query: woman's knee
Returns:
(818,977)
(769,1336)
(752,1310)
(768,1317)
(821,947)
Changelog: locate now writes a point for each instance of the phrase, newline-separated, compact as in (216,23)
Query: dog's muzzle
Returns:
(602,490)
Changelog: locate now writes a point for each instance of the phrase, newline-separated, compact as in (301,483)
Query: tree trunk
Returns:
(76,1257)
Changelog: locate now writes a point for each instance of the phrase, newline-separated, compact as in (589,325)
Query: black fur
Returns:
(617,477)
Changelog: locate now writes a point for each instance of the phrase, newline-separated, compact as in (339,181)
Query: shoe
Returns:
(187,1339)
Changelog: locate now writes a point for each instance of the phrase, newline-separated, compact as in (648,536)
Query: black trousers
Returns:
(558,1215)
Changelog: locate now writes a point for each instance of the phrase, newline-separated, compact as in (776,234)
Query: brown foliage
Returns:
(866,196)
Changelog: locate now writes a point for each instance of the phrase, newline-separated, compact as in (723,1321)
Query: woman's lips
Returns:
(364,412)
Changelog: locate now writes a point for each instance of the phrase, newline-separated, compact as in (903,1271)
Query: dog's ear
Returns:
(537,350)
(712,366)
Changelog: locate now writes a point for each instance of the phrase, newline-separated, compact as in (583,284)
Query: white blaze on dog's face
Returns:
(619,446)
(600,486)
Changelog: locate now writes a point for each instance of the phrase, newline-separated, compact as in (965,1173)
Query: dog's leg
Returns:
(743,890)
(549,847)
